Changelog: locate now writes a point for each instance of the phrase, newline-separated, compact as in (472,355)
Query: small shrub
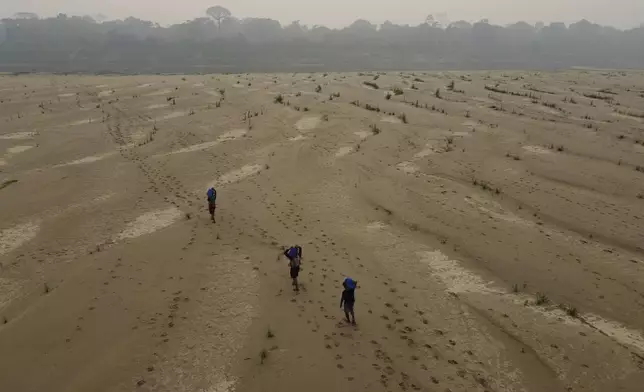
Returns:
(372,85)
(46,288)
(398,91)
(413,87)
(572,311)
(388,96)
(560,148)
(437,93)
(542,299)
(279,98)
(640,195)
(263,355)
(376,77)
(403,118)
(318,89)
(451,86)
(298,94)
(374,129)
(270,334)
(419,80)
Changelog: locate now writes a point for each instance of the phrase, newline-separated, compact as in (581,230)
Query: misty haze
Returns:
(322,196)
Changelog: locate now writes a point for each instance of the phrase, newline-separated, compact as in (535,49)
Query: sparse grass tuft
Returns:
(263,355)
(542,299)
(403,118)
(269,333)
(46,288)
(437,93)
(388,96)
(398,91)
(279,98)
(318,89)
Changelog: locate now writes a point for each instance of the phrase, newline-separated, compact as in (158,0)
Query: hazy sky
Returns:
(336,13)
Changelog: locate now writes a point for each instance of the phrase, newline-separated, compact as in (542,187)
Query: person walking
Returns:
(294,256)
(348,299)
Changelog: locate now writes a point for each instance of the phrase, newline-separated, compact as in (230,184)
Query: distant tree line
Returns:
(220,42)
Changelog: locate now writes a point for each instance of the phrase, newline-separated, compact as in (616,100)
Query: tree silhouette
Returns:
(218,13)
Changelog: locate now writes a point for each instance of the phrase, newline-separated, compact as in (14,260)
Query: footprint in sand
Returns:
(150,222)
(16,236)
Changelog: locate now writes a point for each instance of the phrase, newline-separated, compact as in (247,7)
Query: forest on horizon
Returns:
(221,42)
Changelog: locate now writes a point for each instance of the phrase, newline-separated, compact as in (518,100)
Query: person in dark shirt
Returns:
(294,256)
(212,203)
(349,299)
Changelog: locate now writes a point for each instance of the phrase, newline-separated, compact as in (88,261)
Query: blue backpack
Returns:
(212,194)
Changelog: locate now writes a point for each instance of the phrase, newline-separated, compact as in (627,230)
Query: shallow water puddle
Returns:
(150,222)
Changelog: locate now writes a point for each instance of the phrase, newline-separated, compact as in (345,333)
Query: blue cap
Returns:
(350,283)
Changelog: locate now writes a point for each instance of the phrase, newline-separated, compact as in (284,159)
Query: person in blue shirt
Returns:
(349,299)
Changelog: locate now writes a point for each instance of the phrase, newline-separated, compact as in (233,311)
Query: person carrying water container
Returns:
(349,299)
(212,206)
(294,256)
